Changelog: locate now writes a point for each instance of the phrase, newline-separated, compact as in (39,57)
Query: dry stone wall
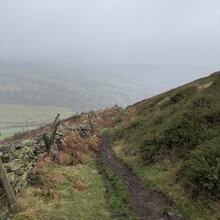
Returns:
(18,159)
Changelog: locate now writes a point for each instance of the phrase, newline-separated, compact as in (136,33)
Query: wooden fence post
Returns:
(49,139)
(55,121)
(7,188)
(90,122)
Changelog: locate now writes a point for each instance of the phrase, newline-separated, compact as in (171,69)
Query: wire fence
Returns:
(24,123)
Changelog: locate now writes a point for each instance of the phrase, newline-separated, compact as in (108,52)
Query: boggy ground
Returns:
(145,203)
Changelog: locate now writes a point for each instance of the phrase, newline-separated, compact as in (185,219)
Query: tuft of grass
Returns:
(103,130)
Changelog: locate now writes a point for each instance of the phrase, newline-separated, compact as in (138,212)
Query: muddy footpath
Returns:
(144,202)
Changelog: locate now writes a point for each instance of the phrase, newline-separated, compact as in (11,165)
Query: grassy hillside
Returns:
(172,141)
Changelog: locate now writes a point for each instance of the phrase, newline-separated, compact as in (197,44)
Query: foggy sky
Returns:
(111,31)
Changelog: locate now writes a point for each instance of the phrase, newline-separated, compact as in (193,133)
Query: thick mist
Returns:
(111,31)
(88,54)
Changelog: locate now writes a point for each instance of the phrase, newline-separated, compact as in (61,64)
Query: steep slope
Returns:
(179,119)
(177,135)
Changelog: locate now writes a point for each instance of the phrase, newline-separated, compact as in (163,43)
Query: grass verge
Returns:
(161,179)
(65,192)
(116,194)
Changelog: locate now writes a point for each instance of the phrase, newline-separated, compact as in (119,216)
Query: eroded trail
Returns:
(147,204)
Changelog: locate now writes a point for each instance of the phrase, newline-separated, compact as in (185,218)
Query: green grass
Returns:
(67,200)
(27,115)
(14,131)
(178,120)
(116,195)
(176,136)
(21,113)
(160,178)
(172,125)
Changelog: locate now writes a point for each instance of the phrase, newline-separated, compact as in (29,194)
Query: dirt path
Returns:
(147,204)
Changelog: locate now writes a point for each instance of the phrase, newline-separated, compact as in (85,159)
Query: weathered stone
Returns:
(5,149)
(57,137)
(33,148)
(26,159)
(17,188)
(21,183)
(84,133)
(170,213)
(24,184)
(20,153)
(72,128)
(18,145)
(11,177)
(6,158)
(29,143)
(19,158)
(19,171)
(7,167)
(38,138)
(17,161)
(85,126)
(13,166)
(59,133)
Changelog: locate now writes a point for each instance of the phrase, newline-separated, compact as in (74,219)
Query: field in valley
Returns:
(19,118)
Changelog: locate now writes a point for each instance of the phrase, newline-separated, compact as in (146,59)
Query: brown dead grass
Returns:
(215,206)
(44,179)
(73,145)
(80,186)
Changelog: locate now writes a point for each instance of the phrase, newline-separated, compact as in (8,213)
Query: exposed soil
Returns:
(145,203)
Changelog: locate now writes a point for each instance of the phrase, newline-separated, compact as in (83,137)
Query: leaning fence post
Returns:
(55,121)
(7,187)
(49,138)
(90,122)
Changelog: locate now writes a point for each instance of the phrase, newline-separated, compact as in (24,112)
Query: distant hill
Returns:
(85,87)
